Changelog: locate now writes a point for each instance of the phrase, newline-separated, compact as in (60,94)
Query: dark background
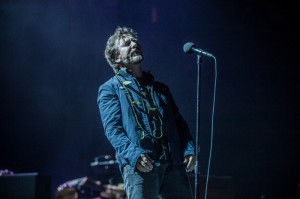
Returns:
(52,65)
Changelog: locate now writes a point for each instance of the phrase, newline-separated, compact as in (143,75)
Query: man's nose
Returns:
(133,44)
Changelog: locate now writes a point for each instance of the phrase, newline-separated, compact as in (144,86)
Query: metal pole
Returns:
(197,173)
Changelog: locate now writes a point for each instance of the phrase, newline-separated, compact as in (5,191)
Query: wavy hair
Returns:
(111,50)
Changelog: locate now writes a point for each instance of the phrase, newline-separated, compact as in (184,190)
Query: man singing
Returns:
(142,122)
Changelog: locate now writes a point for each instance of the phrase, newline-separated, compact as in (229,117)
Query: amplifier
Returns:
(219,187)
(25,186)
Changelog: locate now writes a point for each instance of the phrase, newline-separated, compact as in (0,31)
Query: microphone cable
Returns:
(212,126)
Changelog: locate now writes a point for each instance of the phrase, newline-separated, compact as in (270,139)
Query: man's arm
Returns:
(111,115)
(183,129)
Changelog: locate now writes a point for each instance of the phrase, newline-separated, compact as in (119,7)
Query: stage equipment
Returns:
(221,187)
(189,48)
(114,191)
(106,169)
(25,186)
(85,186)
(102,163)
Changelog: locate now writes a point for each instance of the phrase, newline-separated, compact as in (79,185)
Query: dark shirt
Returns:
(159,139)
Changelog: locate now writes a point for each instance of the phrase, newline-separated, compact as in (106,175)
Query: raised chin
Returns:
(137,59)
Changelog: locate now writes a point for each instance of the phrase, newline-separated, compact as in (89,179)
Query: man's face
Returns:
(130,51)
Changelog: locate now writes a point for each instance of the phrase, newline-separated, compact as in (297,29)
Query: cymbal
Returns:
(84,182)
(103,160)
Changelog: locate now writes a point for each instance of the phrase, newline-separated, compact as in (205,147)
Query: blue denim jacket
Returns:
(122,129)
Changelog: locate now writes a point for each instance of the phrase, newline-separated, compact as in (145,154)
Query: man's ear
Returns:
(118,59)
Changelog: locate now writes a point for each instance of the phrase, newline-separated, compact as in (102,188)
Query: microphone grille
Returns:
(187,48)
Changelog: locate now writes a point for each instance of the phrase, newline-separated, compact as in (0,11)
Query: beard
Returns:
(135,57)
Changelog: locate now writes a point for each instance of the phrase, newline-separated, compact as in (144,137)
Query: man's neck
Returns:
(135,70)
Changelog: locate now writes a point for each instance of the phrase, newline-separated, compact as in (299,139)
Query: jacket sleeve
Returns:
(111,115)
(186,138)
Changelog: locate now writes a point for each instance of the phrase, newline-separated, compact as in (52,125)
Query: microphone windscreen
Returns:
(187,48)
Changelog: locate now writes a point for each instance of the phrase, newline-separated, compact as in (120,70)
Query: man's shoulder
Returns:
(109,86)
(161,86)
(109,83)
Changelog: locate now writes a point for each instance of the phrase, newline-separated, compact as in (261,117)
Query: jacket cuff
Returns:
(190,149)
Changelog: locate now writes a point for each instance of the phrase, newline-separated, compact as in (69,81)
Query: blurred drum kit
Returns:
(109,184)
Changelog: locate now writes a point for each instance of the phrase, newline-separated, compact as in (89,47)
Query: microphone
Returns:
(190,48)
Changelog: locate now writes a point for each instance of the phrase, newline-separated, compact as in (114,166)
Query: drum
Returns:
(113,191)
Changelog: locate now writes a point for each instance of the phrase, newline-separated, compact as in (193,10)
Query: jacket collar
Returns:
(147,76)
(124,73)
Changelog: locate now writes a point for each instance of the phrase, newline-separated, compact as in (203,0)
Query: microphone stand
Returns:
(197,173)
